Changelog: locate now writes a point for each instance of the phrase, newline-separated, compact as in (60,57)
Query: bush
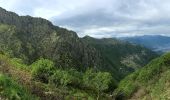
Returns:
(42,70)
(99,81)
(61,77)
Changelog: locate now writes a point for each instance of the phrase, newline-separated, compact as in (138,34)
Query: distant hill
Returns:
(155,42)
(152,82)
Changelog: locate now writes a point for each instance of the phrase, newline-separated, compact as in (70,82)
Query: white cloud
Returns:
(100,18)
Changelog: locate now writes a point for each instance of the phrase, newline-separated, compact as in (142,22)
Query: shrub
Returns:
(42,70)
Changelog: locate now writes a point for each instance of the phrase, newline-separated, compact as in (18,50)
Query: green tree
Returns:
(88,77)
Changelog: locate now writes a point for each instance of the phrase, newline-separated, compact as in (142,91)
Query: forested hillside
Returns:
(120,57)
(37,37)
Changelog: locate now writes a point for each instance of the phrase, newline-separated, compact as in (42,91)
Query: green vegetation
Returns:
(47,78)
(152,81)
(42,70)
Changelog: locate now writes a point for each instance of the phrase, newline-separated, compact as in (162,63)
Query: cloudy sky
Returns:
(100,18)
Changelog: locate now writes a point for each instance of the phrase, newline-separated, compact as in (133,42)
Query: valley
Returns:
(42,61)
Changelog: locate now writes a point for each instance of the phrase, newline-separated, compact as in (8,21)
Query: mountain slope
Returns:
(121,57)
(37,37)
(157,43)
(152,82)
(32,38)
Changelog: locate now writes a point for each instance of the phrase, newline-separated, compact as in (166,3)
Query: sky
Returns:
(100,18)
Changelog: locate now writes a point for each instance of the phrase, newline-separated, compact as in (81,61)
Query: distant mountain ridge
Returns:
(157,43)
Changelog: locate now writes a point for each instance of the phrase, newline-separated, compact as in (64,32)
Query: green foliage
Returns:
(42,70)
(102,81)
(88,78)
(19,63)
(13,91)
(98,81)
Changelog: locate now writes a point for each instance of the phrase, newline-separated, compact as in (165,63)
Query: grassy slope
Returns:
(21,74)
(151,82)
(11,87)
